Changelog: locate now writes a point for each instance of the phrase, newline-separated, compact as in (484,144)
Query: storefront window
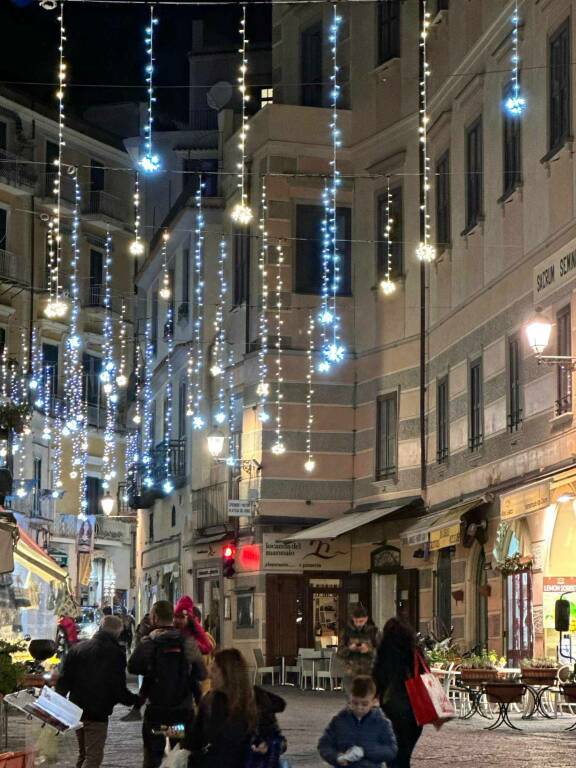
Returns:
(245,610)
(325,610)
(560,578)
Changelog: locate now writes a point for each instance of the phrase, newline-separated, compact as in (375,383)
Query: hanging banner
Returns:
(281,556)
(84,569)
(85,539)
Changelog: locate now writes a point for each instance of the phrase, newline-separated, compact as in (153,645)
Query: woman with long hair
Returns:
(393,666)
(235,718)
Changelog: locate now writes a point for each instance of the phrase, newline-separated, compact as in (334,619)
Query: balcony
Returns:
(9,271)
(67,188)
(168,461)
(16,173)
(38,506)
(112,530)
(92,297)
(65,526)
(104,207)
(210,504)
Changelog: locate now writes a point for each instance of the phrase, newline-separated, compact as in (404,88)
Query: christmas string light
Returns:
(137,246)
(242,213)
(387,285)
(516,103)
(150,161)
(57,450)
(35,384)
(46,394)
(56,307)
(233,457)
(165,289)
(195,352)
(326,315)
(310,463)
(168,485)
(147,436)
(425,251)
(263,389)
(218,367)
(279,448)
(4,389)
(121,378)
(107,375)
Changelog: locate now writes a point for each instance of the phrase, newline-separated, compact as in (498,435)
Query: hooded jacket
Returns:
(94,674)
(194,629)
(374,733)
(358,663)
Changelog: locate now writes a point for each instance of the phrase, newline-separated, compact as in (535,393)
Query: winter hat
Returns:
(185,605)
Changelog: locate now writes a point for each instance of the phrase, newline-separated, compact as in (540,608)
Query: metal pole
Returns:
(421,75)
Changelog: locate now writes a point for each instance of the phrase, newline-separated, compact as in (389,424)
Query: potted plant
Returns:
(569,687)
(11,672)
(504,692)
(479,669)
(515,564)
(539,671)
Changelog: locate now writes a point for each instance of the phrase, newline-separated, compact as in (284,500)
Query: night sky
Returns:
(105,50)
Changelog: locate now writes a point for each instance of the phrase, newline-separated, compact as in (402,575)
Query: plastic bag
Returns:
(47,746)
(176,758)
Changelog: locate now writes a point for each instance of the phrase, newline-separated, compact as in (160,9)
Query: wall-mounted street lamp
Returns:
(107,504)
(538,332)
(215,442)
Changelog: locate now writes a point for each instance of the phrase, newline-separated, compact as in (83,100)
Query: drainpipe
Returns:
(423,478)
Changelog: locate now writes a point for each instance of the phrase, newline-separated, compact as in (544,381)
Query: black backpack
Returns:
(169,677)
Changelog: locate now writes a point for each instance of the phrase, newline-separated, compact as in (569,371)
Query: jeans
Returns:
(91,741)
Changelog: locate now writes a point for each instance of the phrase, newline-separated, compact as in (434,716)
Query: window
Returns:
(444,591)
(481,602)
(388,30)
(443,228)
(245,609)
(206,168)
(154,319)
(311,46)
(396,235)
(309,268)
(50,368)
(474,172)
(182,396)
(241,266)
(3,228)
(52,152)
(512,157)
(266,96)
(94,493)
(387,436)
(96,291)
(3,137)
(442,5)
(442,420)
(476,436)
(37,488)
(559,87)
(184,309)
(564,374)
(514,391)
(92,367)
(2,340)
(166,420)
(96,176)
(173,516)
(151,526)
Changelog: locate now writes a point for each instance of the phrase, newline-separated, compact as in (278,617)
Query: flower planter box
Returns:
(569,691)
(24,759)
(477,676)
(504,693)
(539,676)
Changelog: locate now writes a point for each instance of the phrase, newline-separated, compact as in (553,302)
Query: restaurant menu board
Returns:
(554,588)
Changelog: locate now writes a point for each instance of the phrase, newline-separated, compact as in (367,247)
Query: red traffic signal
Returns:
(228,551)
(228,555)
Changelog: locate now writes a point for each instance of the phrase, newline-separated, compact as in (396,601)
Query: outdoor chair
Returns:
(328,675)
(262,669)
(308,660)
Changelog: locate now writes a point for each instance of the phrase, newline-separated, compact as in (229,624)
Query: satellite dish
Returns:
(219,95)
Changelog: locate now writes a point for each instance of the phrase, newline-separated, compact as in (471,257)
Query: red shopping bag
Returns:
(427,697)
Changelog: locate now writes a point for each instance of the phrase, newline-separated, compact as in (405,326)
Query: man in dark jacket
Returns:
(358,645)
(94,676)
(172,666)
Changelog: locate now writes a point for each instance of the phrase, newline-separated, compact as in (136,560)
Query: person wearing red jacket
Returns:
(186,621)
(66,634)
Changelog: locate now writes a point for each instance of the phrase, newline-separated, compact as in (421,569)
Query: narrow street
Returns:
(541,743)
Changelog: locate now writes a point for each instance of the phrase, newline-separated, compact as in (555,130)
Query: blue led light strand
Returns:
(149,403)
(108,373)
(168,484)
(515,104)
(150,161)
(137,246)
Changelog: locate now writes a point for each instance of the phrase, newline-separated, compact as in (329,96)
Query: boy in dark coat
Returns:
(360,734)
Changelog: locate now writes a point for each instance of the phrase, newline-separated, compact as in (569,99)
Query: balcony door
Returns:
(96,278)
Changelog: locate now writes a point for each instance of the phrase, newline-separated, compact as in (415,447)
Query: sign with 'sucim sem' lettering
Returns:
(554,272)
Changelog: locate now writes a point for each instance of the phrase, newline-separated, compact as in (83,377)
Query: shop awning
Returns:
(331,529)
(441,529)
(36,560)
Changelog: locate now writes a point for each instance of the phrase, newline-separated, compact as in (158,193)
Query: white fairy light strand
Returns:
(150,161)
(242,213)
(168,484)
(56,307)
(219,367)
(279,448)
(425,251)
(147,436)
(107,375)
(263,389)
(310,463)
(387,285)
(326,316)
(516,103)
(196,364)
(121,378)
(137,246)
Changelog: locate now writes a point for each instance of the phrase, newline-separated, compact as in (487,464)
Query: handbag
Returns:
(427,696)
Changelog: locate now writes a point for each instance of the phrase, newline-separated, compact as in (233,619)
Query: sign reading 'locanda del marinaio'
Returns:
(555,272)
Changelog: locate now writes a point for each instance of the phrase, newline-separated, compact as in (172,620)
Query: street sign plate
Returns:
(240,508)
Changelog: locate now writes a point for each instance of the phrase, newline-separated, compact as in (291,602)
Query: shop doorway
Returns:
(407,597)
(395,594)
(286,619)
(519,624)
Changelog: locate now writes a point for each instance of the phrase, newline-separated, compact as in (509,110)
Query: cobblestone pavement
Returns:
(541,744)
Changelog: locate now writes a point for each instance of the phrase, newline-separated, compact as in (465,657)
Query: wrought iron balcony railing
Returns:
(210,504)
(16,172)
(100,203)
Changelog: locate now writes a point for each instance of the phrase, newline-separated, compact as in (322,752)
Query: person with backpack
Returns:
(172,666)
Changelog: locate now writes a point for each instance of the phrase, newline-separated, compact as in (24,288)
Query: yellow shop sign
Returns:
(526,500)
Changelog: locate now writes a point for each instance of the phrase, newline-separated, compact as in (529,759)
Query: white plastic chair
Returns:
(308,658)
(261,668)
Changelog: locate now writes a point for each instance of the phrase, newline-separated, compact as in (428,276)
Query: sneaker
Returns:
(132,716)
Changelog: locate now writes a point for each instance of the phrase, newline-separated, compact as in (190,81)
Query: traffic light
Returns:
(228,560)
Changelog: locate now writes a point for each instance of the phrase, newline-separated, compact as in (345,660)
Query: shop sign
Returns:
(386,560)
(523,502)
(445,537)
(207,573)
(554,588)
(554,272)
(281,556)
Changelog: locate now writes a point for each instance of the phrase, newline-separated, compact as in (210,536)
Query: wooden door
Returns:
(286,620)
(355,589)
(407,602)
(520,629)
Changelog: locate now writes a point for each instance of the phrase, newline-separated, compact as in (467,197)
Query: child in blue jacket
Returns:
(359,735)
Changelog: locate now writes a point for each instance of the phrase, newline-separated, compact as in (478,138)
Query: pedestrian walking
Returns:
(66,635)
(358,646)
(94,677)
(393,666)
(360,733)
(172,666)
(143,629)
(187,622)
(236,719)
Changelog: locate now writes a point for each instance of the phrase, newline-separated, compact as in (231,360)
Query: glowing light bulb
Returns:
(220,418)
(136,247)
(387,287)
(55,309)
(426,252)
(264,416)
(278,448)
(242,214)
(263,389)
(216,370)
(121,380)
(165,292)
(310,465)
(137,419)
